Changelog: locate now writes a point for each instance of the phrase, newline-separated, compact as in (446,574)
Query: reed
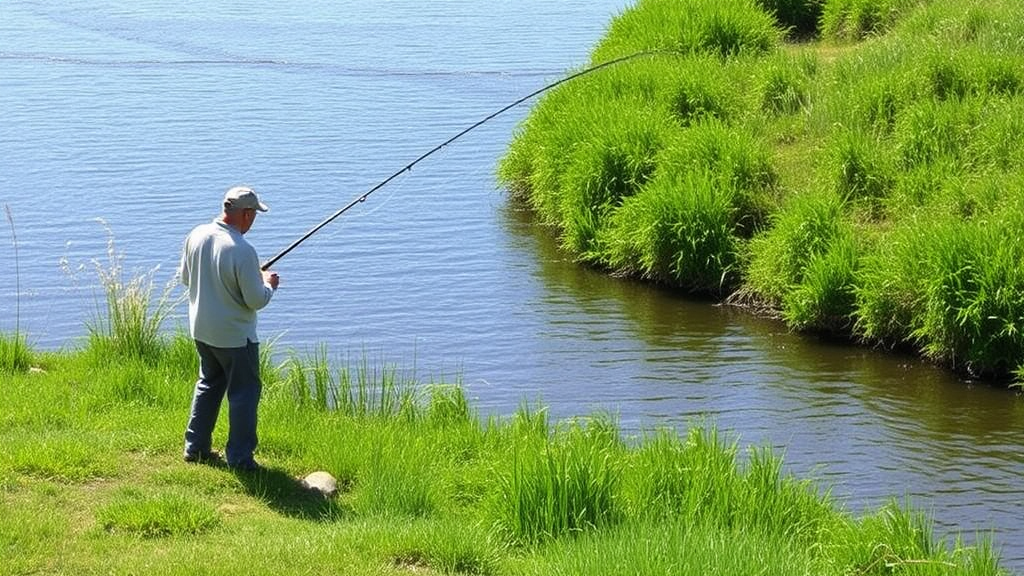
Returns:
(359,389)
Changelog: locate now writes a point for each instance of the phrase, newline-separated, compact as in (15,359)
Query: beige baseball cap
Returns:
(243,197)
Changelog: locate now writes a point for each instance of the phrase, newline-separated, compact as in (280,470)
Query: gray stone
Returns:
(321,482)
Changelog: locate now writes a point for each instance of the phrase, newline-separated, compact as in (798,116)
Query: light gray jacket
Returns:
(225,285)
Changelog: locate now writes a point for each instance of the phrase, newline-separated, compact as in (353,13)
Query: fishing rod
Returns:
(407,167)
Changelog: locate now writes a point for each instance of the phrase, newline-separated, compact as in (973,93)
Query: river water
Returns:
(127,121)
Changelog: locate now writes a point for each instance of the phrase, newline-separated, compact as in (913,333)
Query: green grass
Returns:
(794,176)
(426,486)
(673,173)
(15,354)
(132,511)
(128,322)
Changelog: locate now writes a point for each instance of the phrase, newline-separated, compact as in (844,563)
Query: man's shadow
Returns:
(287,495)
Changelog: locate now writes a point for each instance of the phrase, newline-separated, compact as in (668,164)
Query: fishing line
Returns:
(362,198)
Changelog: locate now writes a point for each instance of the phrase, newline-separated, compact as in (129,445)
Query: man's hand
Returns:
(271,278)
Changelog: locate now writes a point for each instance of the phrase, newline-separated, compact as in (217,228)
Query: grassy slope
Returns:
(91,482)
(867,184)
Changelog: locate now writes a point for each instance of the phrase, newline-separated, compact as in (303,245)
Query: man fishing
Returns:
(226,287)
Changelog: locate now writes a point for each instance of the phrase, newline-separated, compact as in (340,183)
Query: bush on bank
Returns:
(92,468)
(866,183)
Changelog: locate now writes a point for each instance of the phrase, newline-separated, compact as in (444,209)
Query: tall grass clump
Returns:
(15,354)
(678,230)
(717,27)
(128,323)
(349,389)
(564,485)
(799,18)
(935,130)
(559,151)
(857,19)
(900,540)
(398,477)
(786,84)
(673,546)
(951,287)
(699,480)
(862,172)
(610,166)
(691,478)
(824,299)
(867,89)
(803,230)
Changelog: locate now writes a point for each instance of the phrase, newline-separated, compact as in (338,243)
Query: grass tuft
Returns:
(15,354)
(562,486)
(159,515)
(129,322)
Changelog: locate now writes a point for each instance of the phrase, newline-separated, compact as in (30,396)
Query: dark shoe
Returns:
(248,466)
(207,456)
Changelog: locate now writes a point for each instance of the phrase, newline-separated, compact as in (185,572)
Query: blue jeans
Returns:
(235,371)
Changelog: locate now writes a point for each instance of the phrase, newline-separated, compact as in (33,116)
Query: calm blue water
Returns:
(141,114)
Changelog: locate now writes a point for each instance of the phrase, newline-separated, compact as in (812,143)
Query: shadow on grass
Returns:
(287,496)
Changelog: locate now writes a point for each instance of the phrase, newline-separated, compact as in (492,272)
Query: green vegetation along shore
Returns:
(853,166)
(92,480)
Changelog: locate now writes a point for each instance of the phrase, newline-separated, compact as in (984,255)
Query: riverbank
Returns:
(91,481)
(864,183)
